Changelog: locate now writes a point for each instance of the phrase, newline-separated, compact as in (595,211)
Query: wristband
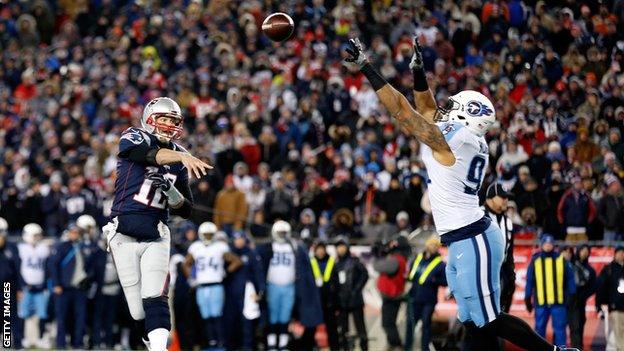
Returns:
(375,79)
(150,157)
(174,196)
(420,80)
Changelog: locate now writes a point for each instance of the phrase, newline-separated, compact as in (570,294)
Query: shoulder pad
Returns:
(449,129)
(135,136)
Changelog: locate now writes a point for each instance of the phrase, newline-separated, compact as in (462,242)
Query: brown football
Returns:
(278,26)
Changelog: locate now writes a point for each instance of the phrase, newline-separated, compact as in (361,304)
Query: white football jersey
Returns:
(282,266)
(209,263)
(453,191)
(33,262)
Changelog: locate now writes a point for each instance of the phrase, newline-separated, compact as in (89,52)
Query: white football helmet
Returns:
(86,223)
(281,230)
(470,108)
(162,107)
(31,233)
(206,231)
(4,226)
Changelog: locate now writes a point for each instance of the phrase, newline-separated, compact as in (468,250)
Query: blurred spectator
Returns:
(376,228)
(51,207)
(326,280)
(72,274)
(203,195)
(611,209)
(278,203)
(585,148)
(585,279)
(427,275)
(575,211)
(392,267)
(609,294)
(531,196)
(403,226)
(244,289)
(230,207)
(513,155)
(352,277)
(77,201)
(307,226)
(549,302)
(392,200)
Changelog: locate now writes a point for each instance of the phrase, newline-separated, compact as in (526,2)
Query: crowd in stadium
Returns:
(294,133)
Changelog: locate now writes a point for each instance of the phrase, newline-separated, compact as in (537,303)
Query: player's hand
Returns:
(356,52)
(529,305)
(194,165)
(58,290)
(417,60)
(159,181)
(19,295)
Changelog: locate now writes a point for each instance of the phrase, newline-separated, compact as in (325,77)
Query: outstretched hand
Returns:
(417,59)
(356,52)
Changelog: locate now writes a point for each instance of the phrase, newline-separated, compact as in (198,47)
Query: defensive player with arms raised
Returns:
(456,155)
(152,182)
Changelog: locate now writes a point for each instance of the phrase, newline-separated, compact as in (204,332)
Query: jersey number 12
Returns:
(475,175)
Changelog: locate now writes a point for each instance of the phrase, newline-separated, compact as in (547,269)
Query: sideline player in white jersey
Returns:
(455,154)
(33,255)
(208,260)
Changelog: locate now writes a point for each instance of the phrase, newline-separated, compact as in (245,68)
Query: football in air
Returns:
(278,26)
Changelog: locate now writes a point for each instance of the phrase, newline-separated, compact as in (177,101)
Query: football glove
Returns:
(356,52)
(417,59)
(159,181)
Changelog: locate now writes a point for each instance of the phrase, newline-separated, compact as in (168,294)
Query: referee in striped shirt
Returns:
(496,207)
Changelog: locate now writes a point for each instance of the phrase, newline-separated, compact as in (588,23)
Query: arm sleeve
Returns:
(183,187)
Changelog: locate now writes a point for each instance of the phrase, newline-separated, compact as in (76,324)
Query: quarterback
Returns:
(152,182)
(456,155)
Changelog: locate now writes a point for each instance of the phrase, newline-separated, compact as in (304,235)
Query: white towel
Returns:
(251,309)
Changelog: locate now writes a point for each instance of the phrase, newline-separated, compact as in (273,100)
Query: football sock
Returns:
(158,339)
(518,332)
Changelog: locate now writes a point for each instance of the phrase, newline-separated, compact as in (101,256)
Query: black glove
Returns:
(417,59)
(159,181)
(529,305)
(356,52)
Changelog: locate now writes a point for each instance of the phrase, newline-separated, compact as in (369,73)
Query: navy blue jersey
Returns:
(75,205)
(137,204)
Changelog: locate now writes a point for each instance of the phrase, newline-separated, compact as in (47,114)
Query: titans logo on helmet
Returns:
(477,109)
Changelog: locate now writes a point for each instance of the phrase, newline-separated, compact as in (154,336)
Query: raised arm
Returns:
(399,108)
(424,102)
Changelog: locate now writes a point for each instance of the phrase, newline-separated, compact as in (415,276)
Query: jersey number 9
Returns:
(475,175)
